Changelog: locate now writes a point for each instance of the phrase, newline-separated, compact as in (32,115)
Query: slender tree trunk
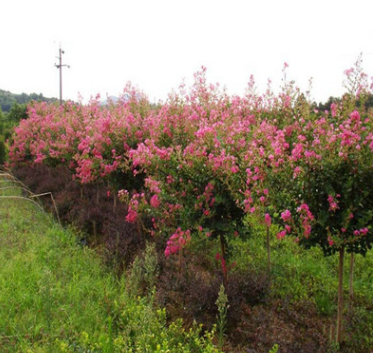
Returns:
(115,203)
(97,195)
(268,252)
(94,223)
(180,258)
(224,268)
(117,240)
(351,284)
(340,295)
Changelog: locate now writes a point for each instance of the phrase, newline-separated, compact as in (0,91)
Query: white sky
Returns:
(156,43)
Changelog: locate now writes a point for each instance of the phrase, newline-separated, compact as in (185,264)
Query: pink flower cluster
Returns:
(177,241)
(333,205)
(307,218)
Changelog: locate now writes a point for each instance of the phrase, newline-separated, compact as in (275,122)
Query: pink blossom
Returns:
(349,72)
(39,158)
(307,229)
(177,241)
(355,115)
(333,206)
(302,138)
(131,216)
(297,171)
(333,109)
(364,231)
(267,219)
(286,216)
(154,201)
(170,179)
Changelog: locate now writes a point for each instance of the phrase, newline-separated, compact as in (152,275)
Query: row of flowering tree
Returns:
(197,164)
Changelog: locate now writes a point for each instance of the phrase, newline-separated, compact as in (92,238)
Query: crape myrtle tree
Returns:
(326,194)
(258,185)
(188,158)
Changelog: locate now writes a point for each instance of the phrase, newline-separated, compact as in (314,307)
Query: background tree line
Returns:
(7,99)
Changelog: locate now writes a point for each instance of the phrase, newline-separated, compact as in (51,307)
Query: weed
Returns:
(222,304)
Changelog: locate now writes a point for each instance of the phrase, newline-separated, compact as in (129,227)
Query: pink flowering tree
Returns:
(328,200)
(188,159)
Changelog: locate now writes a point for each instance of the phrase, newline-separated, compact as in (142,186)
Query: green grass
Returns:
(298,274)
(56,296)
(49,287)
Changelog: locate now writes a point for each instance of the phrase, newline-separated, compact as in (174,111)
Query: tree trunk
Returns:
(351,284)
(268,252)
(223,264)
(340,295)
(94,229)
(115,203)
(180,259)
(97,195)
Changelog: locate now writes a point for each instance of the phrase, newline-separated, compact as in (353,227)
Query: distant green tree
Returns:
(328,103)
(17,112)
(6,100)
(369,102)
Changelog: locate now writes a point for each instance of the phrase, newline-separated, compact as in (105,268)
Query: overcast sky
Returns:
(155,44)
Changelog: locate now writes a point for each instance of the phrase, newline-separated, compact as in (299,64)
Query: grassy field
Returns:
(56,296)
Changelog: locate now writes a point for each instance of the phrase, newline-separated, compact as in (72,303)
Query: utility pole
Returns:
(59,66)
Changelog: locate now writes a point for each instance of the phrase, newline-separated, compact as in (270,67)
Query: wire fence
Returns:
(10,182)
